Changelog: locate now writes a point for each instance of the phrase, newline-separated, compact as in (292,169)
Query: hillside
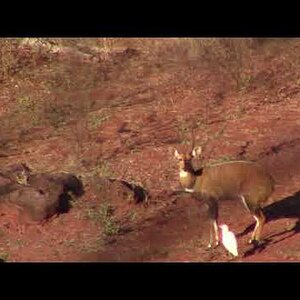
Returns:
(118,108)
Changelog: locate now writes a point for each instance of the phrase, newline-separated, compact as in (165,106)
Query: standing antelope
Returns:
(242,180)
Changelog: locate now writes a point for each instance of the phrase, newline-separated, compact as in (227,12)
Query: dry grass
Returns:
(52,100)
(104,216)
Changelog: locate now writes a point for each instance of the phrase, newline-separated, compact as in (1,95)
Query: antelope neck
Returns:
(188,176)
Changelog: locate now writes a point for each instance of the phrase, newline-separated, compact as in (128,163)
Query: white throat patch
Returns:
(183,174)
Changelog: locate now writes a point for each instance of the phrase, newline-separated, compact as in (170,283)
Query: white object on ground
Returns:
(228,239)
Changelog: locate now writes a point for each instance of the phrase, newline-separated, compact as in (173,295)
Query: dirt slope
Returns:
(140,108)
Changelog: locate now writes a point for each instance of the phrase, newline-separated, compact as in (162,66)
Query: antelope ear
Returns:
(176,154)
(197,152)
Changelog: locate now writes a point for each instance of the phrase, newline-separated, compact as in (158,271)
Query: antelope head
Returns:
(185,159)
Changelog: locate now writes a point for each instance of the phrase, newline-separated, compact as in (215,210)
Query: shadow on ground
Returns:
(288,207)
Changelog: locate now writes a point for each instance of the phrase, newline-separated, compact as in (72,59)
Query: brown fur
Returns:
(241,180)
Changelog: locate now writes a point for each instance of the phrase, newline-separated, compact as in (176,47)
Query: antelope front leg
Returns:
(213,216)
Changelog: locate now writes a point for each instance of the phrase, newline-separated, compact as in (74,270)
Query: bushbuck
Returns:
(236,180)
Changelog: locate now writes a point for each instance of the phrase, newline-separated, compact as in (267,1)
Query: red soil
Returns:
(146,113)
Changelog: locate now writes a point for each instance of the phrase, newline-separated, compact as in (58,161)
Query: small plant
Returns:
(97,118)
(92,245)
(22,178)
(20,242)
(149,253)
(28,106)
(132,216)
(129,197)
(4,255)
(237,113)
(135,150)
(11,59)
(245,81)
(103,169)
(131,145)
(73,201)
(69,243)
(220,160)
(104,215)
(110,226)
(107,45)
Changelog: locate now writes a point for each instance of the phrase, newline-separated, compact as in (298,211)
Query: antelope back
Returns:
(233,179)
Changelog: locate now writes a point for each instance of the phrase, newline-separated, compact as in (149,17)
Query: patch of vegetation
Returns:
(69,243)
(92,245)
(149,253)
(73,201)
(103,169)
(4,256)
(104,216)
(246,81)
(224,158)
(22,178)
(21,56)
(131,145)
(232,57)
(20,242)
(239,112)
(12,58)
(56,114)
(134,150)
(109,223)
(197,243)
(97,118)
(129,197)
(29,106)
(132,216)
